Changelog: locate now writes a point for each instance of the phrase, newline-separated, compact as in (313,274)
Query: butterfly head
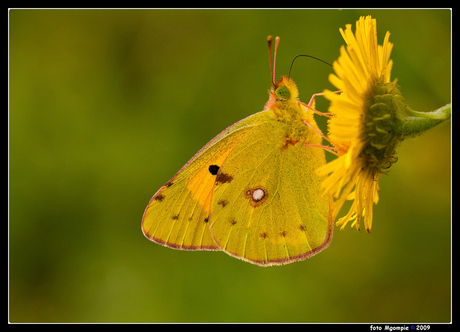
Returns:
(282,92)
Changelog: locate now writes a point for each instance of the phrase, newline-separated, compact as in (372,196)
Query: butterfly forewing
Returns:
(177,216)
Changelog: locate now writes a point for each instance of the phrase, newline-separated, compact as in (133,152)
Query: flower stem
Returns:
(414,123)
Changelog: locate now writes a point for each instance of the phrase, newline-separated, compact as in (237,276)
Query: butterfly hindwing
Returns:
(273,210)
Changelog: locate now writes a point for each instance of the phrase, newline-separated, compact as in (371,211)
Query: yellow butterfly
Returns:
(252,190)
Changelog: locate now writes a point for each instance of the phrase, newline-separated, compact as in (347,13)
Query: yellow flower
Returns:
(369,120)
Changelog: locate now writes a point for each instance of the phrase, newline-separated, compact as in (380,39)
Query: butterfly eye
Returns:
(283,92)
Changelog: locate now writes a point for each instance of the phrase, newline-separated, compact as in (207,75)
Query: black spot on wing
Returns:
(222,202)
(213,169)
(224,178)
(159,197)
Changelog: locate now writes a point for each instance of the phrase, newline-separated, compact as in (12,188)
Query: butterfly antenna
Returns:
(308,56)
(277,42)
(270,39)
(273,63)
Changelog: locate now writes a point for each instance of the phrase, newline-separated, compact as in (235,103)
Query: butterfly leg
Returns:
(313,109)
(327,148)
(311,104)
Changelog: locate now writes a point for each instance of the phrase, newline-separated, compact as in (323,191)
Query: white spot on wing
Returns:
(258,194)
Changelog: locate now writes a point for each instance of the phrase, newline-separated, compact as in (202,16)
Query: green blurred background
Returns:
(107,105)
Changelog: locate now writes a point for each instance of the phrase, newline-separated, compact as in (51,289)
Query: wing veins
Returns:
(305,201)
